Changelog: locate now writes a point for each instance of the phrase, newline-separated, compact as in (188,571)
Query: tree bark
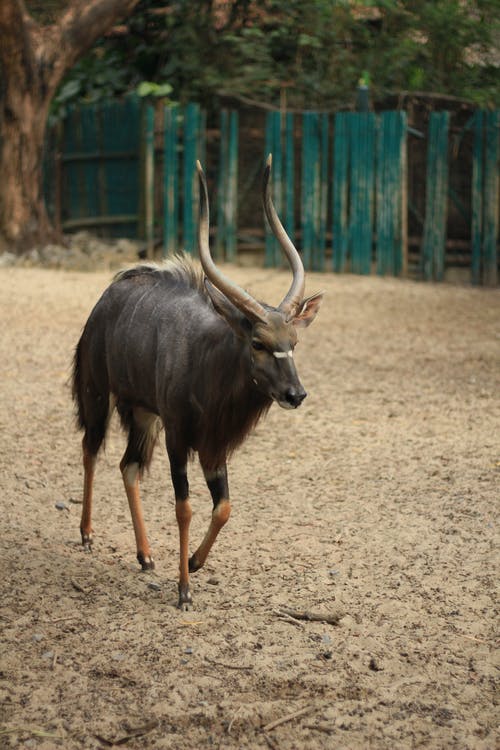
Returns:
(33,61)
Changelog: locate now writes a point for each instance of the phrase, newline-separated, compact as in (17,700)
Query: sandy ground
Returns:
(374,504)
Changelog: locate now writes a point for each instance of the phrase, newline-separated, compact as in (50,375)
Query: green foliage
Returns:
(314,52)
(157,90)
(96,76)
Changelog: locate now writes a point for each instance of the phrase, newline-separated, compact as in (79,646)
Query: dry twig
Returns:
(33,731)
(288,618)
(132,733)
(289,717)
(326,728)
(77,587)
(243,667)
(59,619)
(331,619)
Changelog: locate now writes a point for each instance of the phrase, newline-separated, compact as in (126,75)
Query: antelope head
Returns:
(268,333)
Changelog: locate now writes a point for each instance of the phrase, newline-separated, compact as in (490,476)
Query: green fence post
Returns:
(477,198)
(277,180)
(269,238)
(170,180)
(273,146)
(148,184)
(391,193)
(362,141)
(190,191)
(220,243)
(434,236)
(490,204)
(232,189)
(430,203)
(340,237)
(322,197)
(310,186)
(289,212)
(381,207)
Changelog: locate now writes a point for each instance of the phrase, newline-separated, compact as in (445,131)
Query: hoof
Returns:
(145,561)
(185,602)
(87,541)
(194,565)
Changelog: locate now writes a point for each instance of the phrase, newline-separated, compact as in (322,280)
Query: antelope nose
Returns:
(295,396)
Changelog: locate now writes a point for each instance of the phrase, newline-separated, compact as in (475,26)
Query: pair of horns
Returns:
(238,296)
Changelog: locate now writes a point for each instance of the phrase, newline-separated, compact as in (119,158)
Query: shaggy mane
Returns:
(180,268)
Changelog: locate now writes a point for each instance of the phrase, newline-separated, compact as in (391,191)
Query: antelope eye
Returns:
(258,345)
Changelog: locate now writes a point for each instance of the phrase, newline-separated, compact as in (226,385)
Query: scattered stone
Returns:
(154,586)
(61,506)
(213,581)
(188,650)
(7,259)
(80,252)
(374,665)
(37,637)
(48,655)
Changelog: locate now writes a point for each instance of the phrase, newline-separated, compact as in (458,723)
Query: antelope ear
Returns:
(225,308)
(307,311)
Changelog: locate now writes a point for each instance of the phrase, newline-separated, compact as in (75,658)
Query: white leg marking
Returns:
(130,474)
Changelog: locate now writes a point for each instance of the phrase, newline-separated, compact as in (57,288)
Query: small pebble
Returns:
(37,637)
(48,655)
(61,506)
(374,665)
(154,586)
(188,650)
(213,581)
(118,656)
(326,639)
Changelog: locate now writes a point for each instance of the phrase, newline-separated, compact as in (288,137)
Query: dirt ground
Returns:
(373,506)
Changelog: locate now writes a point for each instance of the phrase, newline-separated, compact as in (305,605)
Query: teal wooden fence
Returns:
(366,169)
(99,168)
(339,182)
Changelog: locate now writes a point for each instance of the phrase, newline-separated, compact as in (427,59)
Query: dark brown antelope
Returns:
(185,348)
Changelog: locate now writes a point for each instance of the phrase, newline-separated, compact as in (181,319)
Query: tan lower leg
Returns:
(89,462)
(220,517)
(183,514)
(130,476)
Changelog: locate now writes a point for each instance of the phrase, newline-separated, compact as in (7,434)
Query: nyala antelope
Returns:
(185,348)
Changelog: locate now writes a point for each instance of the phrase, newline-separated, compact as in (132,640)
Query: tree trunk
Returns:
(23,217)
(33,60)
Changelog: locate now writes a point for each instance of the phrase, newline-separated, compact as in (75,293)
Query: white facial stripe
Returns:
(283,355)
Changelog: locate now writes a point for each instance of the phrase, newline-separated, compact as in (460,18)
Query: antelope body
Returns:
(182,347)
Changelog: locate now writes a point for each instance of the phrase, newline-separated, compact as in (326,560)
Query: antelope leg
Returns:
(89,462)
(130,474)
(218,485)
(183,515)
